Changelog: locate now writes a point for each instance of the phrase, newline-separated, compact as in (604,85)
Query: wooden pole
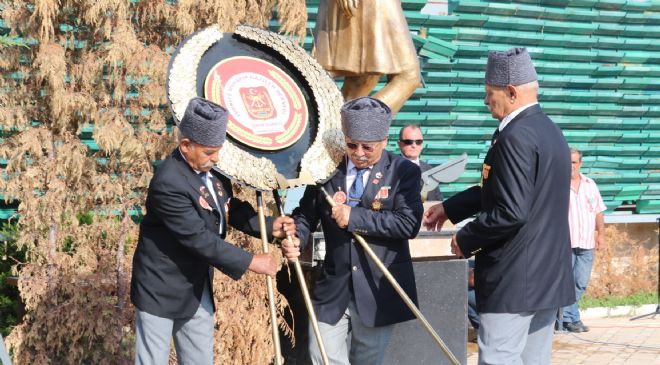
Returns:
(303,288)
(269,282)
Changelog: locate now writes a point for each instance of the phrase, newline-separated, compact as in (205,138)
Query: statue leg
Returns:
(399,88)
(357,86)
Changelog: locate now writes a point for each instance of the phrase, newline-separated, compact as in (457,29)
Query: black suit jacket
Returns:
(521,235)
(433,195)
(179,240)
(347,271)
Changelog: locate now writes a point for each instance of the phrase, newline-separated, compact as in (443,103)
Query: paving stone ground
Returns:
(610,341)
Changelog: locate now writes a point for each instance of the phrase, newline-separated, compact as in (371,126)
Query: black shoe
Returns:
(582,326)
(573,327)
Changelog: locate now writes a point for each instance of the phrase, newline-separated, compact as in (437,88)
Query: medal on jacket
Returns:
(204,204)
(383,192)
(377,177)
(339,197)
(484,173)
(219,189)
(376,205)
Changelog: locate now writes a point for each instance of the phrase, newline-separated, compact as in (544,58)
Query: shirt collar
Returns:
(185,159)
(415,161)
(512,115)
(350,166)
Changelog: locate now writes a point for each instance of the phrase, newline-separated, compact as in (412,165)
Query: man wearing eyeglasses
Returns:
(378,196)
(411,144)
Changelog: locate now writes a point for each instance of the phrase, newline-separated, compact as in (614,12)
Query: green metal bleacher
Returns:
(599,72)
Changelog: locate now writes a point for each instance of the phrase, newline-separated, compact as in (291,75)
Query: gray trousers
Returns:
(516,338)
(193,337)
(349,341)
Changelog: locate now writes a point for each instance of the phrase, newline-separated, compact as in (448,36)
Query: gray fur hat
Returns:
(366,119)
(512,67)
(204,122)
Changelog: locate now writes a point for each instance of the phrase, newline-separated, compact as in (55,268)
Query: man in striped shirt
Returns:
(587,228)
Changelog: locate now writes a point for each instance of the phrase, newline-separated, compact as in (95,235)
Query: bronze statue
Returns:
(364,39)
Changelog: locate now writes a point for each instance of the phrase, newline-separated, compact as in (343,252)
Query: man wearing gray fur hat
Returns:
(520,237)
(378,196)
(182,238)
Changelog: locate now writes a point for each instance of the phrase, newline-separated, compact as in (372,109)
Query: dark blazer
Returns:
(347,271)
(521,235)
(179,240)
(433,195)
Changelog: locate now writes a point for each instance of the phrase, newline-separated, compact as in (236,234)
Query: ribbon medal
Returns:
(376,205)
(485,171)
(383,193)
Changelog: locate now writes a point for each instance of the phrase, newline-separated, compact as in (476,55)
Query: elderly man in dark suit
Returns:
(411,144)
(182,239)
(378,197)
(520,236)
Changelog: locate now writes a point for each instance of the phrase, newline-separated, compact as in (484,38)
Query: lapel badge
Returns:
(339,197)
(375,181)
(383,192)
(218,188)
(485,171)
(376,205)
(379,175)
(204,192)
(204,204)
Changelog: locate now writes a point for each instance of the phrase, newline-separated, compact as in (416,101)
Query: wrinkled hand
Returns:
(291,249)
(454,247)
(283,226)
(434,217)
(348,7)
(341,213)
(263,263)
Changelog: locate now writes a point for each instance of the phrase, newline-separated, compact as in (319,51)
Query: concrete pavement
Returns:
(610,341)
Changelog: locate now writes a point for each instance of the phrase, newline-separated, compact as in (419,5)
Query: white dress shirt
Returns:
(512,115)
(351,172)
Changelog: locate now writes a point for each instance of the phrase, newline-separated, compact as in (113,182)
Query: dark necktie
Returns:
(356,190)
(202,175)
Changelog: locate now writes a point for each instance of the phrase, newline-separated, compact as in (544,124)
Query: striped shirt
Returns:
(584,206)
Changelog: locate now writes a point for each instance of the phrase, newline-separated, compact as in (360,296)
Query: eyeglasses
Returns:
(408,142)
(365,147)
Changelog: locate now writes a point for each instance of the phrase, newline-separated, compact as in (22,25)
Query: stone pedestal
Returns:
(442,294)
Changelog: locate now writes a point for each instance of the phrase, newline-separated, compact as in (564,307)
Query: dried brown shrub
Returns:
(102,63)
(627,265)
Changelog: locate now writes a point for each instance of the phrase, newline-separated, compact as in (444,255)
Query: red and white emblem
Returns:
(267,109)
(383,193)
(258,103)
(204,204)
(339,197)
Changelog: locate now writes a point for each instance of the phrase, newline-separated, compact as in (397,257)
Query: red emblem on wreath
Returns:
(267,109)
